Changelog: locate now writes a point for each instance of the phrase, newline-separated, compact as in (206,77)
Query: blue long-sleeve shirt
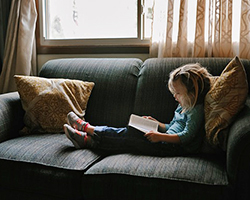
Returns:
(188,126)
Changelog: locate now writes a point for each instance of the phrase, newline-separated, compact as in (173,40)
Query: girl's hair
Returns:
(197,81)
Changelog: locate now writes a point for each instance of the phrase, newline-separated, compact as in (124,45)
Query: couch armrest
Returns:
(11,116)
(238,152)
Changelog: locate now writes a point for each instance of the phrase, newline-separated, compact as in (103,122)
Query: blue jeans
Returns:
(131,140)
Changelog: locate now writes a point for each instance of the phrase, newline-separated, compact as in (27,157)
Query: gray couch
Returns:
(47,166)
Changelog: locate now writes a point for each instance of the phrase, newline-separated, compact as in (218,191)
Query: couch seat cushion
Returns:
(45,164)
(201,170)
(53,150)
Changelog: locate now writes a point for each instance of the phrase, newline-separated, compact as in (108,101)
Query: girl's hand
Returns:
(151,118)
(153,136)
(161,128)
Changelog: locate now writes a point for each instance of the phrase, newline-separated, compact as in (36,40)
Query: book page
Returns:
(143,124)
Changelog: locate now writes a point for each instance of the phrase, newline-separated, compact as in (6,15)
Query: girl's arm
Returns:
(162,137)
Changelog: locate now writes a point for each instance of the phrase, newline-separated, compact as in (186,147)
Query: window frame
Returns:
(92,46)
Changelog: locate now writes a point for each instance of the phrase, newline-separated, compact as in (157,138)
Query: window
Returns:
(95,22)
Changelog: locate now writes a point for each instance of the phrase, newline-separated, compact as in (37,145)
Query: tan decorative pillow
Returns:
(48,101)
(225,99)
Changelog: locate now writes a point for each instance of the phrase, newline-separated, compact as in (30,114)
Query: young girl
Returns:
(189,85)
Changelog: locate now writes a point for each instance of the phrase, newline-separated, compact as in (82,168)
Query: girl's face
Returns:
(179,92)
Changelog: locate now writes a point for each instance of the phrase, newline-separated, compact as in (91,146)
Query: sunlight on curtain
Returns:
(244,47)
(200,28)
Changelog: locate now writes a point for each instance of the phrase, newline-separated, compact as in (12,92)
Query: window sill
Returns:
(140,49)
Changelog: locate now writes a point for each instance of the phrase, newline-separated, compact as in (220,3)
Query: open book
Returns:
(142,124)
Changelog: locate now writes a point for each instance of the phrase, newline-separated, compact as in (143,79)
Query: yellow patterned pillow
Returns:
(48,101)
(225,99)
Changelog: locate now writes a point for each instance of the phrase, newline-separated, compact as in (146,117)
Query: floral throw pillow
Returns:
(47,101)
(225,99)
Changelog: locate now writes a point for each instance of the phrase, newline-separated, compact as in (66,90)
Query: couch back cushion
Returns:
(153,97)
(112,99)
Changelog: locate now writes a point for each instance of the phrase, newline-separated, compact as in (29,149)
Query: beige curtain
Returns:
(201,28)
(244,47)
(20,49)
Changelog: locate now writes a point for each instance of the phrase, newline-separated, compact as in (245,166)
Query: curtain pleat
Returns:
(199,42)
(244,48)
(4,15)
(20,43)
(182,45)
(168,47)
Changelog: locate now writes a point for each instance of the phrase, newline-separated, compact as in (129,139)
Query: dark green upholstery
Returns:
(47,166)
(113,96)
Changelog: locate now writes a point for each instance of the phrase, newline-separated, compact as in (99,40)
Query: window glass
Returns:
(85,19)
